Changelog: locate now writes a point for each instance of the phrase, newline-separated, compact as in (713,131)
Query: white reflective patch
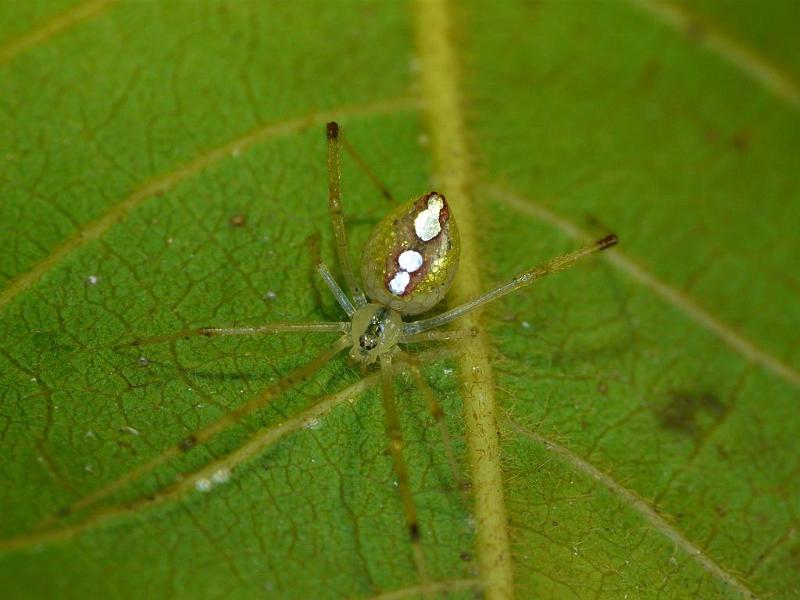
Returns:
(410,261)
(397,285)
(426,225)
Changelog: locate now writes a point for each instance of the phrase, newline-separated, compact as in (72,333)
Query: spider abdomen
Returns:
(412,255)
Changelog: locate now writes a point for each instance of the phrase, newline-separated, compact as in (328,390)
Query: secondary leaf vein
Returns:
(755,66)
(118,211)
(632,500)
(46,30)
(687,305)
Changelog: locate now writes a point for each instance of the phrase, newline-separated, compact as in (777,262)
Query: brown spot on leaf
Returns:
(696,31)
(649,73)
(238,220)
(740,141)
(690,412)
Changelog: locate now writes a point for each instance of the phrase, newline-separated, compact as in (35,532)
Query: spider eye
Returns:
(368,342)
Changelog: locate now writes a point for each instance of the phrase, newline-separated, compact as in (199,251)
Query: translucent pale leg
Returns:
(392,421)
(436,411)
(384,191)
(337,220)
(525,278)
(337,291)
(298,375)
(317,327)
(438,336)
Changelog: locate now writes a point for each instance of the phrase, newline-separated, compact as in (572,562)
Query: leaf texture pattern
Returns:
(163,167)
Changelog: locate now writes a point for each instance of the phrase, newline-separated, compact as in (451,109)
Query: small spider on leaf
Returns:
(408,266)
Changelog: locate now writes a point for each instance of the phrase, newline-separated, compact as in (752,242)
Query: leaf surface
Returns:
(163,168)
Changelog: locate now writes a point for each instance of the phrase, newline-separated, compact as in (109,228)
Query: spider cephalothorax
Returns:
(375,330)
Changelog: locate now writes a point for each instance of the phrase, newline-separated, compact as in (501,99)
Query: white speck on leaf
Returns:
(221,475)
(470,524)
(312,424)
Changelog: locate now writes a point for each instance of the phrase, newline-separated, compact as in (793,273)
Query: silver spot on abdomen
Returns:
(410,261)
(398,284)
(427,225)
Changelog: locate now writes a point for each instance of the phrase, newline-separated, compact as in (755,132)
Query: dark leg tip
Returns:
(413,531)
(333,130)
(608,241)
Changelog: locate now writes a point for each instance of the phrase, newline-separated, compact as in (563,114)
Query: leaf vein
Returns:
(757,67)
(634,501)
(187,484)
(441,91)
(118,211)
(684,303)
(48,29)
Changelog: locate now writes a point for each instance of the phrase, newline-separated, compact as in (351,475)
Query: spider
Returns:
(408,265)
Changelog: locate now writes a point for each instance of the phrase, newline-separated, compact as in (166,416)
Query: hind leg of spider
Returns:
(337,219)
(281,327)
(297,376)
(392,423)
(437,412)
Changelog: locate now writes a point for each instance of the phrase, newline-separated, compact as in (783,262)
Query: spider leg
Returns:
(337,291)
(335,209)
(384,191)
(438,336)
(437,412)
(392,422)
(313,326)
(523,279)
(298,375)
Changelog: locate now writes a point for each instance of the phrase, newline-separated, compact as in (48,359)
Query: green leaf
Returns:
(163,167)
